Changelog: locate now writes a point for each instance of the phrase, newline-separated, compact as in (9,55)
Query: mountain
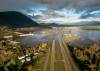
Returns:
(15,19)
(53,25)
(93,23)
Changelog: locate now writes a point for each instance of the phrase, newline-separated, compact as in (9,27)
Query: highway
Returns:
(59,58)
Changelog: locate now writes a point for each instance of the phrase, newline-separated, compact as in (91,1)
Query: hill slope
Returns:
(16,20)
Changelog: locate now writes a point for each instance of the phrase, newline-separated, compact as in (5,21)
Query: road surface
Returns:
(59,58)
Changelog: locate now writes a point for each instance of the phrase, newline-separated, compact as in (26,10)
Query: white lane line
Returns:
(70,58)
(52,56)
(47,59)
(66,61)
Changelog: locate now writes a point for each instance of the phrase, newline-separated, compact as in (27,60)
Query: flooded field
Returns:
(85,37)
(84,46)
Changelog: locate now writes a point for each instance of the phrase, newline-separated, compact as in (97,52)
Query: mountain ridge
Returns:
(16,19)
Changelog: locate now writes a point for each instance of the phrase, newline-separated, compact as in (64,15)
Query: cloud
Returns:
(47,11)
(66,16)
(57,16)
(6,5)
(51,4)
(80,4)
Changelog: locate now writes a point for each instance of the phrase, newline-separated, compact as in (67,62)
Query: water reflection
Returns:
(87,37)
(92,35)
(32,41)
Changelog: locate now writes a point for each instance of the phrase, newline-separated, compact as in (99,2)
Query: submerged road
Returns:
(59,58)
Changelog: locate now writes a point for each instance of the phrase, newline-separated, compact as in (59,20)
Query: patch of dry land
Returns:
(70,37)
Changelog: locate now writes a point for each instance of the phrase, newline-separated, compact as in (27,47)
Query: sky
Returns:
(55,11)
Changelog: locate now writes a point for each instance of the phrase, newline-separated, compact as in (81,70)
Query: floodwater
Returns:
(32,40)
(87,37)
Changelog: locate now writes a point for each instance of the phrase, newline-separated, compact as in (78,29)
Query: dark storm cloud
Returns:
(51,4)
(80,4)
(15,4)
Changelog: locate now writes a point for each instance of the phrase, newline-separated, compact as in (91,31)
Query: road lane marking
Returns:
(46,63)
(68,54)
(66,61)
(70,58)
(67,64)
(52,56)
